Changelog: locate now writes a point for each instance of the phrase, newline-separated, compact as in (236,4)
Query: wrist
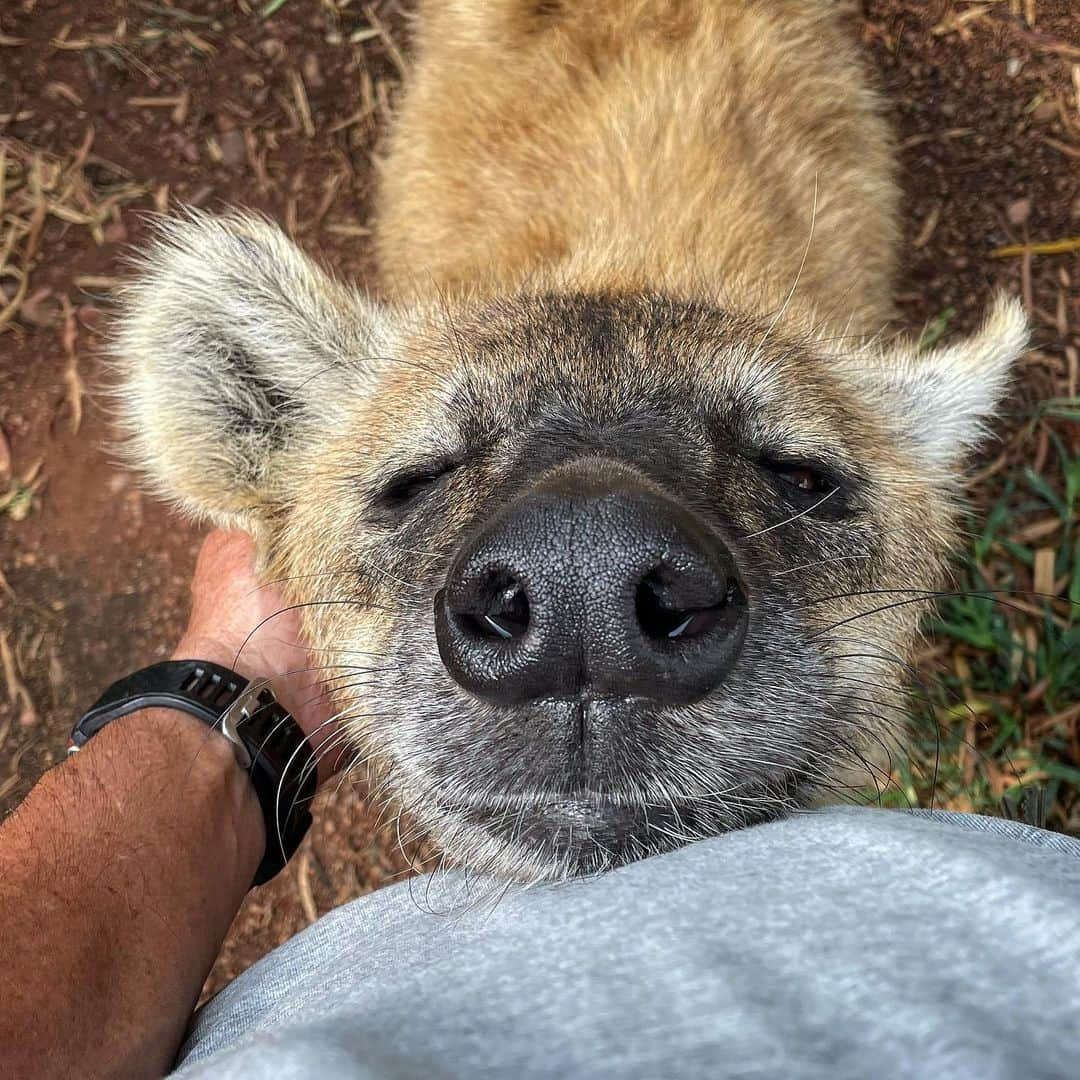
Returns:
(299,691)
(196,771)
(270,746)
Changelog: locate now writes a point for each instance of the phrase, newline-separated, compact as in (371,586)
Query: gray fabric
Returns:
(838,943)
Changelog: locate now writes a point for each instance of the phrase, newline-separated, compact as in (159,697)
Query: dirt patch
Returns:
(112,110)
(134,108)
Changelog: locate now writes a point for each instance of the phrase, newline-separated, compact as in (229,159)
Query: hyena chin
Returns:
(613,515)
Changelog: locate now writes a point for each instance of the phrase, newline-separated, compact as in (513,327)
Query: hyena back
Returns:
(614,507)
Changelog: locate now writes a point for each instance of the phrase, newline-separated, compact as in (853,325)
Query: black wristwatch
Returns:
(269,744)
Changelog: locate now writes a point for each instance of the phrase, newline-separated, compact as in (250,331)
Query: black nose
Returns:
(592,584)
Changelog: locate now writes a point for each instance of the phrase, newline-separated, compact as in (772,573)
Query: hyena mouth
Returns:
(584,831)
(552,813)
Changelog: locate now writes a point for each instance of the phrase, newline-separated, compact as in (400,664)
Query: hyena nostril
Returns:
(499,609)
(671,608)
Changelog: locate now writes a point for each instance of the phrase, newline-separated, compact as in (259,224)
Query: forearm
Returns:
(119,876)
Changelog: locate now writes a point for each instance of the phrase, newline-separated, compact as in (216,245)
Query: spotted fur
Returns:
(660,235)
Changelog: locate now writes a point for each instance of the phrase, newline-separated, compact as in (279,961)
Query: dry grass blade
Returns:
(36,186)
(72,380)
(304,889)
(32,235)
(17,693)
(1046,247)
(387,39)
(303,106)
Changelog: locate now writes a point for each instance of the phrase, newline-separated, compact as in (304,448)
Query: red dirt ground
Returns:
(282,114)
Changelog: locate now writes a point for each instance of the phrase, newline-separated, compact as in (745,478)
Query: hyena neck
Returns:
(725,152)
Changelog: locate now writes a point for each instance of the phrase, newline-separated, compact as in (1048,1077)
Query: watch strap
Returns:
(270,745)
(196,687)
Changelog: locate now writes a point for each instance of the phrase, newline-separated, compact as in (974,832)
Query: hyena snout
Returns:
(592,586)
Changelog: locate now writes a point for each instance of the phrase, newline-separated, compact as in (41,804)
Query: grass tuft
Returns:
(1001,710)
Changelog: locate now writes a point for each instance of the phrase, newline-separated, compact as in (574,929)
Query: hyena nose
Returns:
(592,586)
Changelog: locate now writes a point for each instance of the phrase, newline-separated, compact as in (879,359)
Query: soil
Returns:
(146,106)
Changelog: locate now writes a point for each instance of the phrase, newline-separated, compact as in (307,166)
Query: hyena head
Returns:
(599,573)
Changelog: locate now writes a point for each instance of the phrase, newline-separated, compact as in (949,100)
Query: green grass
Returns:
(935,329)
(997,715)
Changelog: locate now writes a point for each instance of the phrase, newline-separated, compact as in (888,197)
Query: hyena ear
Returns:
(942,398)
(232,346)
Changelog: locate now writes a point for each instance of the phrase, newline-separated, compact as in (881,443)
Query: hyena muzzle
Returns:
(612,515)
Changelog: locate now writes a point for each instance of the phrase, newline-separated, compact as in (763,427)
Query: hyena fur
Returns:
(655,236)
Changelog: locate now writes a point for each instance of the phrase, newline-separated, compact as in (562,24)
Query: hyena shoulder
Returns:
(683,145)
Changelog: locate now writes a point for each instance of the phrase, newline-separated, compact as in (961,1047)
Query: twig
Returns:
(72,378)
(1046,247)
(33,234)
(16,688)
(303,106)
(303,885)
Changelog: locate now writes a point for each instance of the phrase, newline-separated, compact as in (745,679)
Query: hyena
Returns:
(614,507)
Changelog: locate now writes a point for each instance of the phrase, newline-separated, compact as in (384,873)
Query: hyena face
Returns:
(603,573)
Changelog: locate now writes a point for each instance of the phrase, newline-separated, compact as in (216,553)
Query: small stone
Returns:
(273,49)
(233,149)
(313,75)
(1018,212)
(1013,66)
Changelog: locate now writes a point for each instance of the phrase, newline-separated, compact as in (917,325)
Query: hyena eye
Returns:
(810,483)
(802,477)
(407,487)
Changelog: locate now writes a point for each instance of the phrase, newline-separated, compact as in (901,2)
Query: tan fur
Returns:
(684,146)
(677,216)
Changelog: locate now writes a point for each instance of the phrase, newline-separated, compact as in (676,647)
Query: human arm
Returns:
(123,868)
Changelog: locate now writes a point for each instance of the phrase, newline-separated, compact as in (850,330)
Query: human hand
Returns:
(247,626)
